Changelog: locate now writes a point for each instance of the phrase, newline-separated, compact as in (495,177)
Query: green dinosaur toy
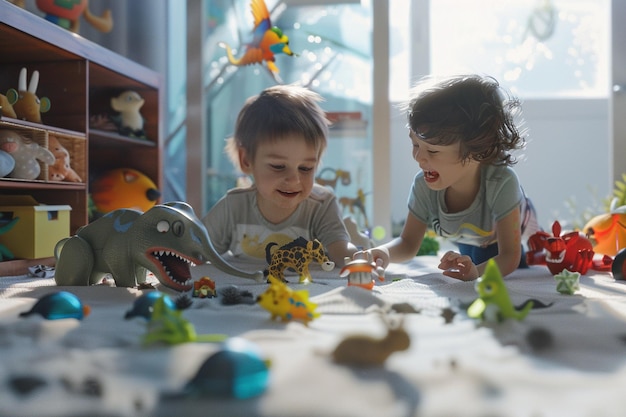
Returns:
(493,302)
(168,326)
(166,240)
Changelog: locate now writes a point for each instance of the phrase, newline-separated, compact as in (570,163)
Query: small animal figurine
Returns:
(25,153)
(297,255)
(59,305)
(493,303)
(368,351)
(67,15)
(204,288)
(361,272)
(266,42)
(237,370)
(571,251)
(166,240)
(167,325)
(61,170)
(26,104)
(284,303)
(123,188)
(129,121)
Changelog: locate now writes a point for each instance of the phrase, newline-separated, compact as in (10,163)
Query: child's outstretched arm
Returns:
(339,250)
(508,231)
(402,248)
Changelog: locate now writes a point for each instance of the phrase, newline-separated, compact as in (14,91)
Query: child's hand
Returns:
(379,256)
(458,266)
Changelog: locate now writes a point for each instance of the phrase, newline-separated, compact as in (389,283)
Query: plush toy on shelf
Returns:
(26,154)
(26,105)
(129,121)
(7,163)
(124,188)
(61,170)
(67,15)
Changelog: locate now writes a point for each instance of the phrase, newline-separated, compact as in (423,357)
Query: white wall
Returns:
(566,159)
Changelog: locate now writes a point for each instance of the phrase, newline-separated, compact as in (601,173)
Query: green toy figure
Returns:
(493,303)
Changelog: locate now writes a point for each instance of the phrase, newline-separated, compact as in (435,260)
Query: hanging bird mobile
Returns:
(266,42)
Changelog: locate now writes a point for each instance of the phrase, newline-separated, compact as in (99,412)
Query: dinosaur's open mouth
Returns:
(173,269)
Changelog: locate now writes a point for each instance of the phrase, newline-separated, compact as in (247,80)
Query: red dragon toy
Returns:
(572,251)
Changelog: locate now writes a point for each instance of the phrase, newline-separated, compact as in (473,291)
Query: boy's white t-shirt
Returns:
(499,194)
(235,223)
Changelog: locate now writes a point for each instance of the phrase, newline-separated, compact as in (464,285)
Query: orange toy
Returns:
(124,188)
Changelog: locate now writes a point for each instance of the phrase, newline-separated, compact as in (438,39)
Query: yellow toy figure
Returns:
(124,188)
(266,41)
(287,304)
(67,14)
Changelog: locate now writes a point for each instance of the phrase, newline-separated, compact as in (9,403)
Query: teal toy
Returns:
(59,305)
(144,305)
(493,303)
(237,370)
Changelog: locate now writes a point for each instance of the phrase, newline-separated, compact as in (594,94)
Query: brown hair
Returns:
(472,110)
(276,113)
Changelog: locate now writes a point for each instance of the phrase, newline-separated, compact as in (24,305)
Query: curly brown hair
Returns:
(472,110)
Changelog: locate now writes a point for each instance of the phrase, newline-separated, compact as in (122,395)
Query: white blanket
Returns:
(454,367)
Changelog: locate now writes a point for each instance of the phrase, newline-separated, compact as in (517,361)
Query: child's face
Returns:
(442,164)
(284,173)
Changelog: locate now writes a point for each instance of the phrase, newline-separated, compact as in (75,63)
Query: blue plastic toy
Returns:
(144,305)
(59,305)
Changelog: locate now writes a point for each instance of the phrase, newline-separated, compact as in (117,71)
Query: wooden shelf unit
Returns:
(79,77)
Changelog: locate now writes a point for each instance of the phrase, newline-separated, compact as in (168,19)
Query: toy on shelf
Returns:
(297,255)
(61,170)
(166,240)
(123,188)
(266,41)
(6,108)
(144,305)
(26,154)
(567,282)
(7,163)
(367,351)
(571,251)
(59,305)
(67,15)
(362,272)
(204,288)
(236,370)
(6,226)
(26,105)
(336,175)
(356,203)
(167,325)
(493,303)
(284,303)
(129,121)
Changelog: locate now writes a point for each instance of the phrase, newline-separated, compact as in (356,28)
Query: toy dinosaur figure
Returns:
(266,42)
(571,251)
(296,255)
(287,304)
(168,326)
(493,303)
(125,243)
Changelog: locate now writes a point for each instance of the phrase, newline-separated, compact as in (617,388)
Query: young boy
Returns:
(280,136)
(462,131)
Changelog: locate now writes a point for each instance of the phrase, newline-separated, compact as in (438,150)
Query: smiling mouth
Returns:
(431,176)
(289,193)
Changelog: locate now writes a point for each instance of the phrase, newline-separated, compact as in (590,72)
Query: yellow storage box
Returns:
(38,229)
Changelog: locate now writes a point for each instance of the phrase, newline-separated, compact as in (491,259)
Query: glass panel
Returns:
(333,43)
(546,48)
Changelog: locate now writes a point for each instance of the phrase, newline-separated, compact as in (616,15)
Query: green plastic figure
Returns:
(493,302)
